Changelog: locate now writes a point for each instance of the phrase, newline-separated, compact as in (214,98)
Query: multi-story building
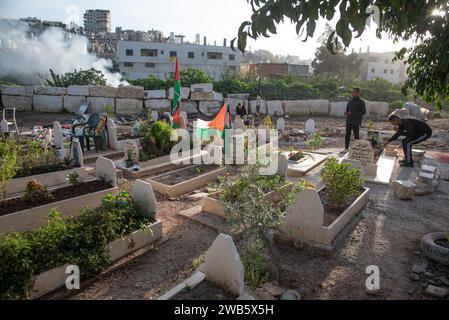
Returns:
(276,70)
(140,59)
(381,65)
(97,22)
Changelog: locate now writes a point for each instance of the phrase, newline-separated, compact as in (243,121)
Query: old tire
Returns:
(433,250)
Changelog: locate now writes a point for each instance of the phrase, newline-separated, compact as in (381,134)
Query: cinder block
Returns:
(78,91)
(158,104)
(44,103)
(155,94)
(128,106)
(21,103)
(103,91)
(72,103)
(131,92)
(26,91)
(50,91)
(97,103)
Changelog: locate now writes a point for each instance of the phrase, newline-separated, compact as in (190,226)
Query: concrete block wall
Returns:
(133,100)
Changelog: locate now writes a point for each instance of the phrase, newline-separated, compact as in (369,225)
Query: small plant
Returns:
(8,161)
(342,181)
(109,110)
(254,264)
(314,142)
(370,125)
(268,122)
(296,156)
(197,170)
(36,191)
(74,178)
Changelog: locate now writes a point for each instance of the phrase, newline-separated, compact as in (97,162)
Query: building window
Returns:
(231,57)
(391,71)
(373,70)
(215,55)
(129,52)
(128,64)
(162,52)
(386,61)
(148,53)
(172,54)
(150,65)
(385,71)
(191,55)
(374,59)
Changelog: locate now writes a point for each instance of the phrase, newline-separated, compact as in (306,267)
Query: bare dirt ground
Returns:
(387,235)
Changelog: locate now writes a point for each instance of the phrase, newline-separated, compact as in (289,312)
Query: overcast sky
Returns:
(215,19)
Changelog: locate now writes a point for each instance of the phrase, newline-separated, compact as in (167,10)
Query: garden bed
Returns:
(332,212)
(50,179)
(19,216)
(186,180)
(53,279)
(205,290)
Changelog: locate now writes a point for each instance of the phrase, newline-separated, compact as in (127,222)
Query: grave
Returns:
(222,268)
(304,225)
(361,153)
(304,165)
(280,124)
(310,127)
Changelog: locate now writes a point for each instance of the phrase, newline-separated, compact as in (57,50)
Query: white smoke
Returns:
(27,59)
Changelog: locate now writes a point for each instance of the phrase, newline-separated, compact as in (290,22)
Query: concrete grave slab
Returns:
(223,266)
(404,189)
(105,170)
(142,193)
(299,169)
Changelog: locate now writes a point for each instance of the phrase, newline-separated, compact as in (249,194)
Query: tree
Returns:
(426,22)
(191,76)
(341,65)
(80,78)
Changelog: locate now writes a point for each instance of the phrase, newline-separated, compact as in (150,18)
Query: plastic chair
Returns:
(87,132)
(6,123)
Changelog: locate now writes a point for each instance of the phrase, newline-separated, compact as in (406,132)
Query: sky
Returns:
(215,19)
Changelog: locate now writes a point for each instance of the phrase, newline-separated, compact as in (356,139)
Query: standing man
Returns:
(414,130)
(355,110)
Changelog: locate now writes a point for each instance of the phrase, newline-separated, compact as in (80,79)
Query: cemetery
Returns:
(98,187)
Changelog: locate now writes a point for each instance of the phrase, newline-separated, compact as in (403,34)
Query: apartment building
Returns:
(276,70)
(97,22)
(140,59)
(381,65)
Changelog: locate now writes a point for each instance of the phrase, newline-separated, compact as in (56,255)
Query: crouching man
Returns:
(414,130)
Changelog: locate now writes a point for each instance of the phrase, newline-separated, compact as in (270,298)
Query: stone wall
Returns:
(133,100)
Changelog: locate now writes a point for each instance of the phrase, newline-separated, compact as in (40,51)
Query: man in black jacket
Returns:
(414,130)
(355,110)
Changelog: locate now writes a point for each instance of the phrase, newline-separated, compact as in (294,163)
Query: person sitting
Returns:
(414,130)
(241,111)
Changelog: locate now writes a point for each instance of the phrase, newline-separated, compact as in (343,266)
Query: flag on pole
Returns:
(175,112)
(208,126)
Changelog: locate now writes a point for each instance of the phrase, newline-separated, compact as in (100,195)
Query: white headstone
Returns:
(154,116)
(112,133)
(142,194)
(310,126)
(282,165)
(280,125)
(58,138)
(362,151)
(223,266)
(183,115)
(76,154)
(105,170)
(356,164)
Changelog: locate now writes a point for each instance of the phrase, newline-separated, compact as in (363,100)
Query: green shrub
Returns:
(150,83)
(155,141)
(81,241)
(36,191)
(342,181)
(396,105)
(8,163)
(80,78)
(314,142)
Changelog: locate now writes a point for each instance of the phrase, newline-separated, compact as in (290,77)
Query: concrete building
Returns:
(275,70)
(97,22)
(140,59)
(381,65)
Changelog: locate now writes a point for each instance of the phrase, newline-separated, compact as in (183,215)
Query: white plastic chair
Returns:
(7,122)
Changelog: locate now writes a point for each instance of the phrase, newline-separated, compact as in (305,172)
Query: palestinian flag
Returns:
(208,126)
(176,97)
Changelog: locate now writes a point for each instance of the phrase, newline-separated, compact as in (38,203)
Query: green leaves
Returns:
(81,78)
